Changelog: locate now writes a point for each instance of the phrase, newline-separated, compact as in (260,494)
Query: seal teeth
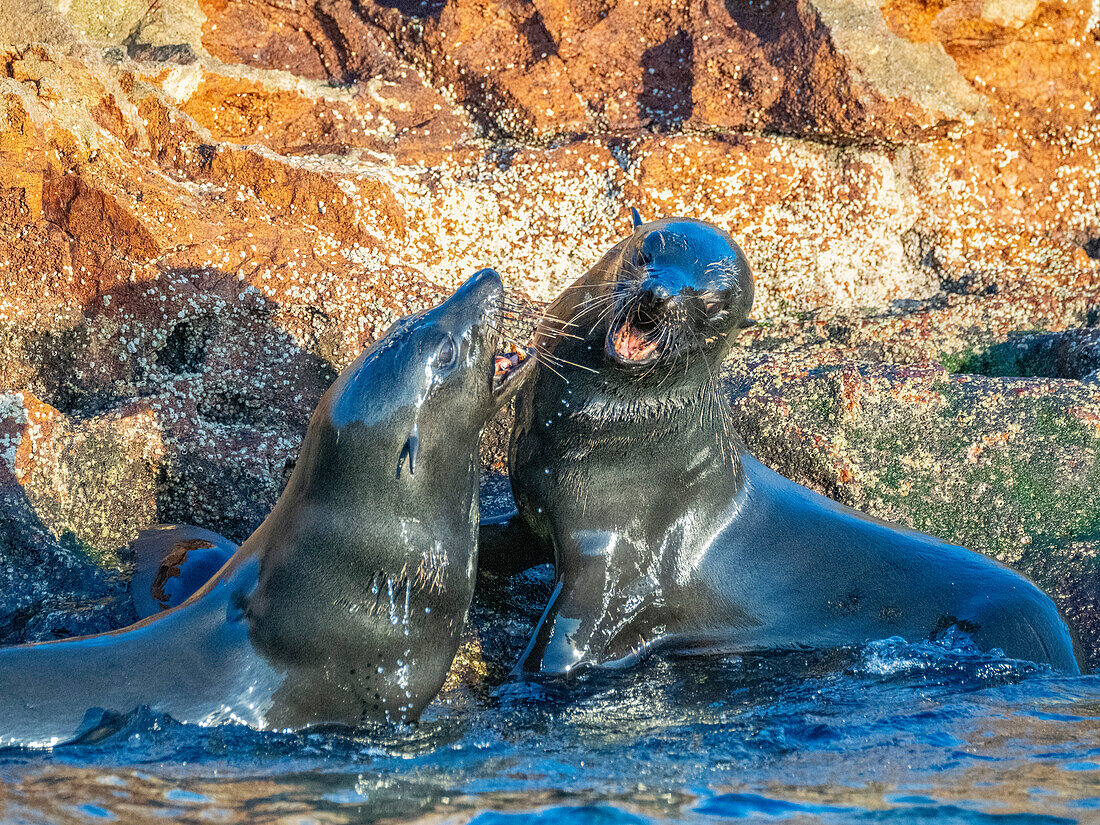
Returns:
(505,363)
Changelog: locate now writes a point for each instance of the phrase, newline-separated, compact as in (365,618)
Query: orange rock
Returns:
(205,234)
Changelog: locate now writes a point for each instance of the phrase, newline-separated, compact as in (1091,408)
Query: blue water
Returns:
(893,733)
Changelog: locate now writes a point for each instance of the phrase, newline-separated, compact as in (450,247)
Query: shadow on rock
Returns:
(416,8)
(174,400)
(668,71)
(51,588)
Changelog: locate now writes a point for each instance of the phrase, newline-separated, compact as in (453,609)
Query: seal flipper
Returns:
(171,562)
(99,725)
(636,217)
(507,544)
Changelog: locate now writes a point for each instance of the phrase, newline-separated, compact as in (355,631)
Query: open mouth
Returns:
(509,366)
(636,339)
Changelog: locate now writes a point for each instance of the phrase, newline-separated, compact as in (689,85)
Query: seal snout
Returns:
(486,285)
(484,290)
(509,364)
(646,326)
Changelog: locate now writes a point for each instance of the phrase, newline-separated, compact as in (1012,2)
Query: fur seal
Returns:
(345,606)
(666,533)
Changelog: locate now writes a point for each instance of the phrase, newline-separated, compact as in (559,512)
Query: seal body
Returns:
(665,533)
(345,606)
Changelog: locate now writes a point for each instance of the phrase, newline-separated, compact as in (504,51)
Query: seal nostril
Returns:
(652,289)
(649,309)
(647,316)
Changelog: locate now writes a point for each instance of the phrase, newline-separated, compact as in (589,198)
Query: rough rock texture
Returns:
(67,495)
(207,207)
(1008,466)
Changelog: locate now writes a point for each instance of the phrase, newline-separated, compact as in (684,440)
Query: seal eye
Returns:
(445,355)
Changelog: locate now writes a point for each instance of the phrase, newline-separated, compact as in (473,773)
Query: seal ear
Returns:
(636,217)
(409,450)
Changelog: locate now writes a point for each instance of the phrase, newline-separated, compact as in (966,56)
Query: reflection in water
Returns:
(892,733)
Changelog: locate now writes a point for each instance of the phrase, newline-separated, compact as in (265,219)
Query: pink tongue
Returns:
(631,346)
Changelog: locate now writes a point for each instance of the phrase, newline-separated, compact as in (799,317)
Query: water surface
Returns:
(889,733)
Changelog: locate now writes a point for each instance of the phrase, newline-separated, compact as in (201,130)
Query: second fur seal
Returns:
(345,606)
(666,533)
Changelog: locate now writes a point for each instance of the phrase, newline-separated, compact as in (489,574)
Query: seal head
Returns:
(685,285)
(671,296)
(415,360)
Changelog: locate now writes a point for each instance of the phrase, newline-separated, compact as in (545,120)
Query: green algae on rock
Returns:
(1006,466)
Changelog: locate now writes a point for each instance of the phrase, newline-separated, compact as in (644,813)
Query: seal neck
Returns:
(352,511)
(690,423)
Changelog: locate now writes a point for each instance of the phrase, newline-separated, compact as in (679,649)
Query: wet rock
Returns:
(1007,466)
(208,207)
(71,494)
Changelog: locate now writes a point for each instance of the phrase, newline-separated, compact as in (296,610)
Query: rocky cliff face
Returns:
(209,206)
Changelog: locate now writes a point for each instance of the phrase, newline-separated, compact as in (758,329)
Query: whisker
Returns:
(519,316)
(561,362)
(591,285)
(594,301)
(664,340)
(711,390)
(600,313)
(664,334)
(502,334)
(527,312)
(561,334)
(604,315)
(545,364)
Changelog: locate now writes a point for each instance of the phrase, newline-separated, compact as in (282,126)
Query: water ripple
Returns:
(887,733)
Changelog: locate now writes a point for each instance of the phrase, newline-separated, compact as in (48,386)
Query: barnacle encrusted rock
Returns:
(207,207)
(1001,454)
